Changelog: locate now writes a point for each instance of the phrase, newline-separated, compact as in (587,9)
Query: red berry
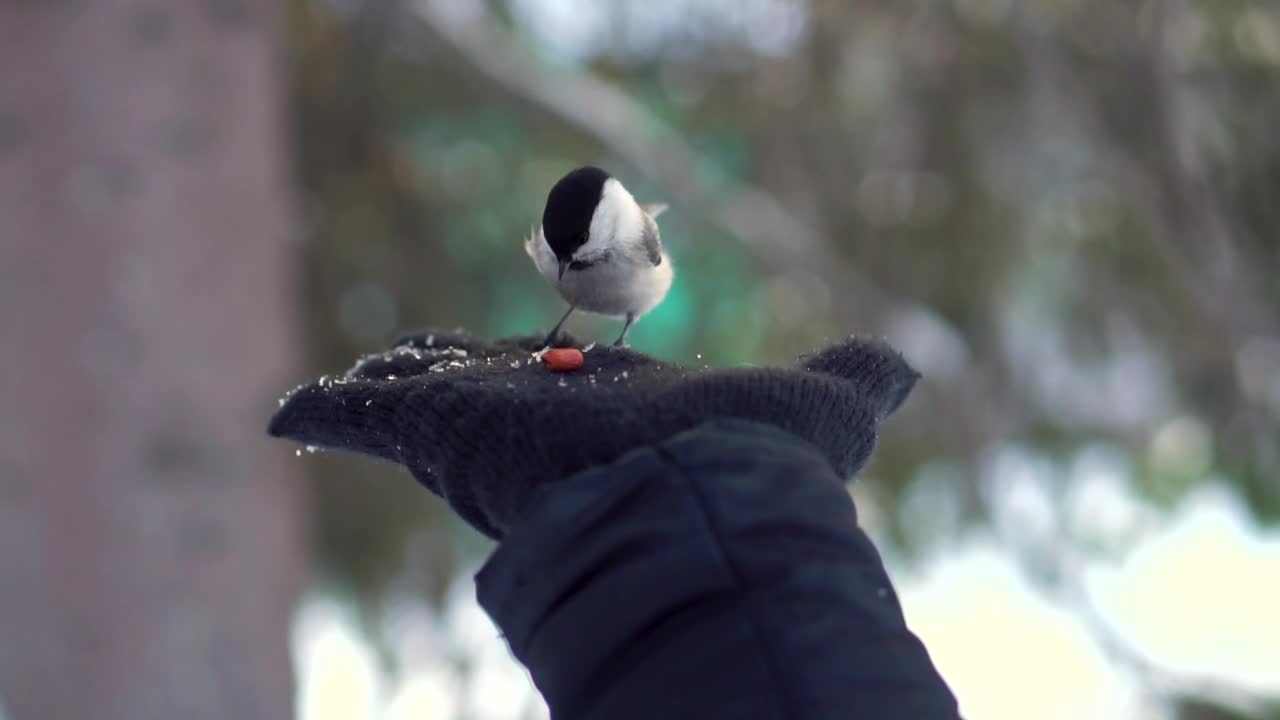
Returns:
(563,359)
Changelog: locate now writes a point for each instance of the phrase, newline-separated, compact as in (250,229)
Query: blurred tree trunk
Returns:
(149,535)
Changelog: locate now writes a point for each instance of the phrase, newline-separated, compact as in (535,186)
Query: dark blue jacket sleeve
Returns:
(721,574)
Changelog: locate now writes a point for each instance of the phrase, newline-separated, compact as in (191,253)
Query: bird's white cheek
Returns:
(617,216)
(603,226)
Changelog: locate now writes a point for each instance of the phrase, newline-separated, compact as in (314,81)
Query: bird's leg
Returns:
(622,339)
(551,336)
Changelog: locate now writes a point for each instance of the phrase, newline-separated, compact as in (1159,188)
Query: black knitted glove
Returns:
(480,424)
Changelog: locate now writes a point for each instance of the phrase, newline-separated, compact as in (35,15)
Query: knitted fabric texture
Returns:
(482,423)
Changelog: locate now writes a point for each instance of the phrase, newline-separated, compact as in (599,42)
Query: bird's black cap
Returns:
(570,205)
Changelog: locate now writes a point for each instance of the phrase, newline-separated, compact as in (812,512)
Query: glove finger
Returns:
(883,376)
(353,415)
(404,361)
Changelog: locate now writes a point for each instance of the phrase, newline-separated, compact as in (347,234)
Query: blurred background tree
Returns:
(151,539)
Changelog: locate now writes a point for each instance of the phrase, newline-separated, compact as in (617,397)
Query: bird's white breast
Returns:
(623,285)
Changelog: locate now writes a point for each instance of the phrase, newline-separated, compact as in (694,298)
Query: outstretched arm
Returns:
(718,574)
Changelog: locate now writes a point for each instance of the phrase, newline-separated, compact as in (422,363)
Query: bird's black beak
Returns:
(564,265)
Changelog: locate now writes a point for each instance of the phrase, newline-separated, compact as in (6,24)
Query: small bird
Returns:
(601,249)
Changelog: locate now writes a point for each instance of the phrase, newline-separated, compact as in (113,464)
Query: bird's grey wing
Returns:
(652,240)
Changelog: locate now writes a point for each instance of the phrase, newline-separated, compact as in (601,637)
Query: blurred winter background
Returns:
(1065,212)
